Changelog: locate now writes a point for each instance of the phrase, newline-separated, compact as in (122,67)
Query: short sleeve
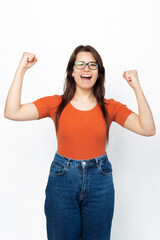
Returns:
(46,106)
(119,111)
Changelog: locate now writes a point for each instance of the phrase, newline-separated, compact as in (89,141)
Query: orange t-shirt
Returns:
(81,134)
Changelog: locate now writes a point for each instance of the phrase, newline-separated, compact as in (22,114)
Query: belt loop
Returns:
(67,165)
(97,162)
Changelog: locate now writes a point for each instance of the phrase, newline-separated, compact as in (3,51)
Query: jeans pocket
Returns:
(57,168)
(105,167)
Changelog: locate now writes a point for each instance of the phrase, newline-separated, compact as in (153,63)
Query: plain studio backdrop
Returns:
(127,36)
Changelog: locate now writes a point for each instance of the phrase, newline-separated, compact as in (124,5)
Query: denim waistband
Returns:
(80,162)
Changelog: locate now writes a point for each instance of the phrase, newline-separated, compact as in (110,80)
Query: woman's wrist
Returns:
(21,69)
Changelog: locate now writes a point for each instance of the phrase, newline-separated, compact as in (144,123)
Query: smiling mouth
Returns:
(86,77)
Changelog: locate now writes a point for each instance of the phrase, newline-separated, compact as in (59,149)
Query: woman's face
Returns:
(83,82)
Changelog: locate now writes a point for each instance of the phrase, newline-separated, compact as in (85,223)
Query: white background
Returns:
(127,36)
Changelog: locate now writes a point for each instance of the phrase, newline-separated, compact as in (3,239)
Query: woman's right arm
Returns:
(14,110)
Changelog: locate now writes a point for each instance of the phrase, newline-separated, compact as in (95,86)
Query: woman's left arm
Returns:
(143,123)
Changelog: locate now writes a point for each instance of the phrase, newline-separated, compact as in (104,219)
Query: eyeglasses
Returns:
(81,65)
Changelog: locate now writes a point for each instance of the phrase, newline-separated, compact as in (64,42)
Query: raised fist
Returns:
(27,60)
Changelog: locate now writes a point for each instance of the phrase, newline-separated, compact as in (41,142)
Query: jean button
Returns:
(83,163)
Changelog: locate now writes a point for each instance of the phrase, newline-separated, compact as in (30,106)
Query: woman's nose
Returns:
(86,67)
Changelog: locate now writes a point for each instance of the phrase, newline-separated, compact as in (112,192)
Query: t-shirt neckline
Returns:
(83,110)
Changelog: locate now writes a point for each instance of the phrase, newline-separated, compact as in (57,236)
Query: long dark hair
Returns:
(70,85)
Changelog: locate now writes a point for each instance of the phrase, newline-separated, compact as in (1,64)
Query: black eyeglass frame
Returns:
(86,64)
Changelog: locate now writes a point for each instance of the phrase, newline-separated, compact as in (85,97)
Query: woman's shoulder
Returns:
(112,103)
(109,100)
(56,98)
(50,100)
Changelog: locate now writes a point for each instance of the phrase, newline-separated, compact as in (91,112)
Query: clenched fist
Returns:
(27,60)
(132,78)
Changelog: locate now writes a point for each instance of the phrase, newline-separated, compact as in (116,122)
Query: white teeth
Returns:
(86,76)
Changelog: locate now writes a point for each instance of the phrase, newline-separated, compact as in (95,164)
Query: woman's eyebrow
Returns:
(85,61)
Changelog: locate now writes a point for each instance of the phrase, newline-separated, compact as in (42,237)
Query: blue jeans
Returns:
(79,201)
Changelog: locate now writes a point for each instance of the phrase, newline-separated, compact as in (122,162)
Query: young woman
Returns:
(80,191)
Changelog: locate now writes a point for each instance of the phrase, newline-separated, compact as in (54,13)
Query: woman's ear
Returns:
(72,74)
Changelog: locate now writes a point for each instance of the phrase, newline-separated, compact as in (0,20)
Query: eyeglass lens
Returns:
(81,65)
